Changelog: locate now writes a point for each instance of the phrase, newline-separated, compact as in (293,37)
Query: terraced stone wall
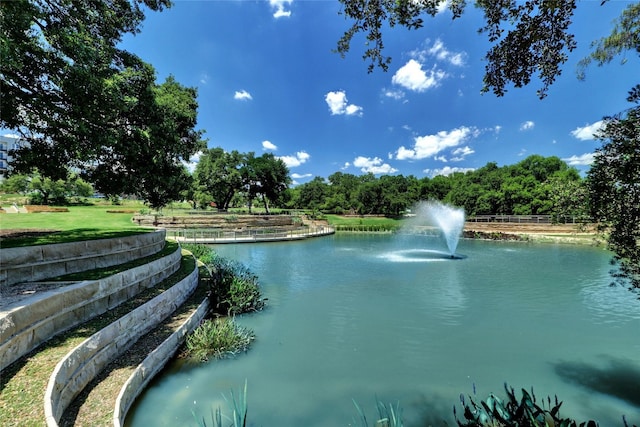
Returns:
(35,263)
(25,326)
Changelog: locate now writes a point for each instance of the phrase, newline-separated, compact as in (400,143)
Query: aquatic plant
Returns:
(203,253)
(388,416)
(234,288)
(217,338)
(239,412)
(523,412)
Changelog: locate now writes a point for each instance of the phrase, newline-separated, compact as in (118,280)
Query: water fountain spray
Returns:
(449,219)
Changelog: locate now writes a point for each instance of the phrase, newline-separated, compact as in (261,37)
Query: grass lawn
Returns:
(80,223)
(356,223)
(356,220)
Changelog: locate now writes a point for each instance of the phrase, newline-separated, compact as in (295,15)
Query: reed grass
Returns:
(218,338)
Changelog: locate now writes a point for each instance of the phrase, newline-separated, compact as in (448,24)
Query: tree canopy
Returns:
(527,38)
(535,186)
(81,102)
(220,176)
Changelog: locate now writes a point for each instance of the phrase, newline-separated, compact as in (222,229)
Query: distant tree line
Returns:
(229,179)
(535,186)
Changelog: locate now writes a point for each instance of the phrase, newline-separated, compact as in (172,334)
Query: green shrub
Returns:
(217,338)
(203,253)
(234,288)
(524,412)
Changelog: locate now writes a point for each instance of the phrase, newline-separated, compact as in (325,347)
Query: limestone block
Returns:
(105,252)
(153,363)
(53,312)
(20,256)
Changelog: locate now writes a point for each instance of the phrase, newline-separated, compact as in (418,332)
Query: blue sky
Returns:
(268,81)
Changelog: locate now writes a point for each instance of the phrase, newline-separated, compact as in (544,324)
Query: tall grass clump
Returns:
(239,412)
(218,338)
(234,289)
(388,416)
(203,253)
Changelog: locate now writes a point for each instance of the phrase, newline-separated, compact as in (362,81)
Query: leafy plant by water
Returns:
(217,338)
(203,253)
(235,289)
(388,416)
(238,409)
(523,412)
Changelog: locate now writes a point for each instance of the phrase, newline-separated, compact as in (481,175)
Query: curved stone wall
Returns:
(153,363)
(24,327)
(33,263)
(84,362)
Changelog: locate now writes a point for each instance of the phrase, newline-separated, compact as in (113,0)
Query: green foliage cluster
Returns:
(42,190)
(229,178)
(614,191)
(526,37)
(234,289)
(218,338)
(512,411)
(80,102)
(535,186)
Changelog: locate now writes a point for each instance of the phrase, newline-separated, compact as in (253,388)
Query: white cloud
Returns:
(430,145)
(301,175)
(293,161)
(268,145)
(346,166)
(375,165)
(586,132)
(395,94)
(338,104)
(280,8)
(411,76)
(581,160)
(442,159)
(193,161)
(446,171)
(242,95)
(443,54)
(442,6)
(204,78)
(528,125)
(461,153)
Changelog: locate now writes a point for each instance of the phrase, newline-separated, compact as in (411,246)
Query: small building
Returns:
(8,143)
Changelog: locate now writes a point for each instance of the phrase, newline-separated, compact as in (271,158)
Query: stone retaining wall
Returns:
(34,263)
(31,322)
(153,364)
(226,221)
(83,363)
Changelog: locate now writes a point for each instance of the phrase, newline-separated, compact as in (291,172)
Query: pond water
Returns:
(392,318)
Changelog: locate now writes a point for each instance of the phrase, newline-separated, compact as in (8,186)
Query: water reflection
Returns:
(346,320)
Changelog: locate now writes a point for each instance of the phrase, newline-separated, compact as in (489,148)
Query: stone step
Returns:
(106,399)
(75,371)
(40,362)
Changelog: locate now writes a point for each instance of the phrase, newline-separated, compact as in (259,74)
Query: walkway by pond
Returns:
(210,236)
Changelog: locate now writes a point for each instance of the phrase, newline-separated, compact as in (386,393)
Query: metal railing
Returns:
(532,219)
(211,235)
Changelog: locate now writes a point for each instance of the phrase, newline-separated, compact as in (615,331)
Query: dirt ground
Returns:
(523,228)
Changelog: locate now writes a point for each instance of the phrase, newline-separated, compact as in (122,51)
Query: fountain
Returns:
(448,219)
